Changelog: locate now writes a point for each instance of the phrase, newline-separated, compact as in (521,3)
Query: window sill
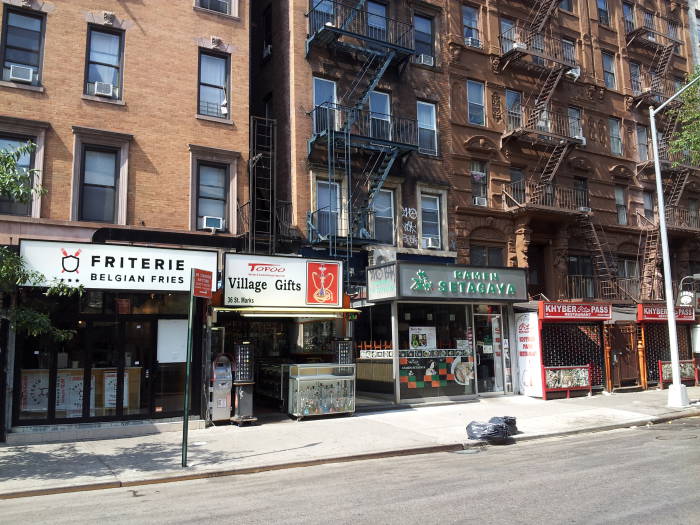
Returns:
(104,100)
(17,85)
(216,13)
(227,122)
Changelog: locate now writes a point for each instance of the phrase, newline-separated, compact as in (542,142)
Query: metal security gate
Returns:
(568,344)
(657,346)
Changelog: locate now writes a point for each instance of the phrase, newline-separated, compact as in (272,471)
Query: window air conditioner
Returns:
(573,74)
(582,139)
(267,51)
(21,73)
(431,243)
(426,60)
(103,89)
(522,46)
(212,223)
(480,201)
(584,209)
(470,41)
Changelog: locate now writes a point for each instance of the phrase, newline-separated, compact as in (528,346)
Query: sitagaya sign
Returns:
(282,282)
(115,266)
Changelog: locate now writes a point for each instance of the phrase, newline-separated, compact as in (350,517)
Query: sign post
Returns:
(201,281)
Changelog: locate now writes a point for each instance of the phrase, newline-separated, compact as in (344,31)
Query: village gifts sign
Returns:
(429,281)
(282,282)
(115,266)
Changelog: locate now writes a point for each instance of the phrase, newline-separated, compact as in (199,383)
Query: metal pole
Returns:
(188,366)
(677,395)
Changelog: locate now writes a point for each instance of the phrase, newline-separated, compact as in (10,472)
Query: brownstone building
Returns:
(498,134)
(139,112)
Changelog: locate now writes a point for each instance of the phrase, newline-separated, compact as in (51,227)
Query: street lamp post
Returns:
(677,394)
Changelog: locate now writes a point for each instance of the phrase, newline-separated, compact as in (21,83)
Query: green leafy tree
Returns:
(18,184)
(686,141)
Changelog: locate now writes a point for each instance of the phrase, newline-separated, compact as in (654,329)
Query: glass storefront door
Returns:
(488,348)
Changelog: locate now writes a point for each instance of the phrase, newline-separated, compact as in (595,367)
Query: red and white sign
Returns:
(201,283)
(575,311)
(529,350)
(282,282)
(659,312)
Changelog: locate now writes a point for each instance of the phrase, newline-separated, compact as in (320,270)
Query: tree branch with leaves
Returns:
(686,140)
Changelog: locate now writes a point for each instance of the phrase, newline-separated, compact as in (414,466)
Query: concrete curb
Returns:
(454,447)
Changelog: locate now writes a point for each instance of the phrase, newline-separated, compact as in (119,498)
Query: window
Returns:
(327,205)
(636,78)
(212,189)
(324,105)
(609,70)
(580,265)
(25,163)
(380,115)
(615,137)
(430,221)
(423,35)
(480,182)
(427,128)
(642,143)
(213,84)
(98,196)
(104,63)
(491,256)
(603,15)
(673,30)
(648,205)
(220,6)
(693,219)
(517,185)
(621,204)
(475,106)
(323,13)
(581,280)
(267,32)
(628,16)
(581,192)
(628,268)
(514,109)
(470,24)
(22,41)
(566,5)
(568,48)
(649,24)
(574,116)
(376,21)
(383,207)
(507,35)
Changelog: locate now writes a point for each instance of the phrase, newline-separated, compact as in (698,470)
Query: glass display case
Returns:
(320,389)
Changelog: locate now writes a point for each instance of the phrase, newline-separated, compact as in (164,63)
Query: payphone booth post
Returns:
(243,383)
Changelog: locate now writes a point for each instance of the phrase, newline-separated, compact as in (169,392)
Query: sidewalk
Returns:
(229,449)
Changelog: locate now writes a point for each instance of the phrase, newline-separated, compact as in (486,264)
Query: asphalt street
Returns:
(640,475)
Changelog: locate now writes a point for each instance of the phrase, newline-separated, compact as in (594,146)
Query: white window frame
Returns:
(433,107)
(482,85)
(621,203)
(642,145)
(611,71)
(434,192)
(392,195)
(313,99)
(320,176)
(615,139)
(233,8)
(217,156)
(385,117)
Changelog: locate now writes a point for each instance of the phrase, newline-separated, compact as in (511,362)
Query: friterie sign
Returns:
(575,311)
(282,282)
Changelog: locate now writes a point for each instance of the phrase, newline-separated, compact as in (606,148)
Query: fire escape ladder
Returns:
(602,255)
(545,95)
(674,188)
(262,231)
(540,15)
(661,62)
(650,263)
(379,176)
(551,167)
(371,72)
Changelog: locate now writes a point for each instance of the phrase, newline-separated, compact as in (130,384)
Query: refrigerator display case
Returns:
(320,389)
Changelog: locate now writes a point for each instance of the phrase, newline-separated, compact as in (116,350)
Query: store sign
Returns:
(381,282)
(282,282)
(529,352)
(575,311)
(458,282)
(114,266)
(659,312)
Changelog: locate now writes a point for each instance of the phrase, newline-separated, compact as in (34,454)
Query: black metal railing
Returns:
(349,19)
(522,193)
(365,123)
(327,223)
(529,118)
(548,47)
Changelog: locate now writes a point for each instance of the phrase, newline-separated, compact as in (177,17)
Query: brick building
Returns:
(487,133)
(140,116)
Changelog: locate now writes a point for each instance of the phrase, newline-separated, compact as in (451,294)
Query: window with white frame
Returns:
(470,24)
(648,205)
(568,48)
(635,78)
(427,128)
(480,182)
(383,208)
(621,204)
(609,70)
(227,7)
(514,109)
(327,207)
(574,116)
(376,21)
(25,163)
(324,105)
(430,221)
(475,103)
(615,136)
(642,143)
(380,115)
(508,34)
(423,30)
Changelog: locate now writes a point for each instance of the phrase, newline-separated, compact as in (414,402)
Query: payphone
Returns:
(220,389)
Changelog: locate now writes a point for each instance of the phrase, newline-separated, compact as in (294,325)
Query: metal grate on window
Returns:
(565,344)
(657,347)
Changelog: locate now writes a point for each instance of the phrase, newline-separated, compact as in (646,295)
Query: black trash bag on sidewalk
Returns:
(487,431)
(508,421)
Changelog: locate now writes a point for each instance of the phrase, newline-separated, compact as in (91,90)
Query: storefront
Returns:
(292,312)
(653,320)
(126,359)
(431,332)
(561,348)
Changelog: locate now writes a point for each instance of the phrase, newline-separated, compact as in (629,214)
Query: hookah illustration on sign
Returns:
(323,293)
